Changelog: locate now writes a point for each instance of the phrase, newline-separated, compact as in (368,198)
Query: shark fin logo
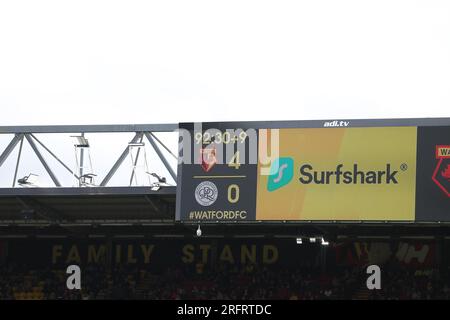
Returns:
(281,173)
(441,175)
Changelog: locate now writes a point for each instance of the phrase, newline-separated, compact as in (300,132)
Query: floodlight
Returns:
(81,142)
(87,180)
(160,179)
(28,181)
(136,144)
(155,187)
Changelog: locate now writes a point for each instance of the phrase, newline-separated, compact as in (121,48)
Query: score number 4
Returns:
(233,189)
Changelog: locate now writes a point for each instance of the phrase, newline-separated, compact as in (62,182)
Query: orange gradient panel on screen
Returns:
(341,174)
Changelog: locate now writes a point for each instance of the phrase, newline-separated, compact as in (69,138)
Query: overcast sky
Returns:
(104,62)
(168,61)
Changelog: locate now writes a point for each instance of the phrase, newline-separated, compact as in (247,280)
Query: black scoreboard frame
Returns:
(323,124)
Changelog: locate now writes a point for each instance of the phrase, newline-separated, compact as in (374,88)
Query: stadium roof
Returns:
(66,205)
(87,203)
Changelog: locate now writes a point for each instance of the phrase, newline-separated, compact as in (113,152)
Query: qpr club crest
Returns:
(206,193)
(441,175)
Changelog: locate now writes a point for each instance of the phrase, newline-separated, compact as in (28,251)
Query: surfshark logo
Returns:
(281,173)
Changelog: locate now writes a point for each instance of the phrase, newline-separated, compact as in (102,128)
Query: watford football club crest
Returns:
(441,175)
(209,158)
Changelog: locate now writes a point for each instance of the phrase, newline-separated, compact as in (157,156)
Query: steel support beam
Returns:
(136,160)
(44,211)
(169,127)
(53,155)
(161,155)
(119,161)
(82,159)
(17,163)
(31,204)
(164,146)
(150,201)
(42,160)
(15,140)
(91,191)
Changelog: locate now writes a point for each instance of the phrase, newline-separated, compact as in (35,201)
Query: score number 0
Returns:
(233,189)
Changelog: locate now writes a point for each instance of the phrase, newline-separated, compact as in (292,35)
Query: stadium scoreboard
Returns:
(352,170)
